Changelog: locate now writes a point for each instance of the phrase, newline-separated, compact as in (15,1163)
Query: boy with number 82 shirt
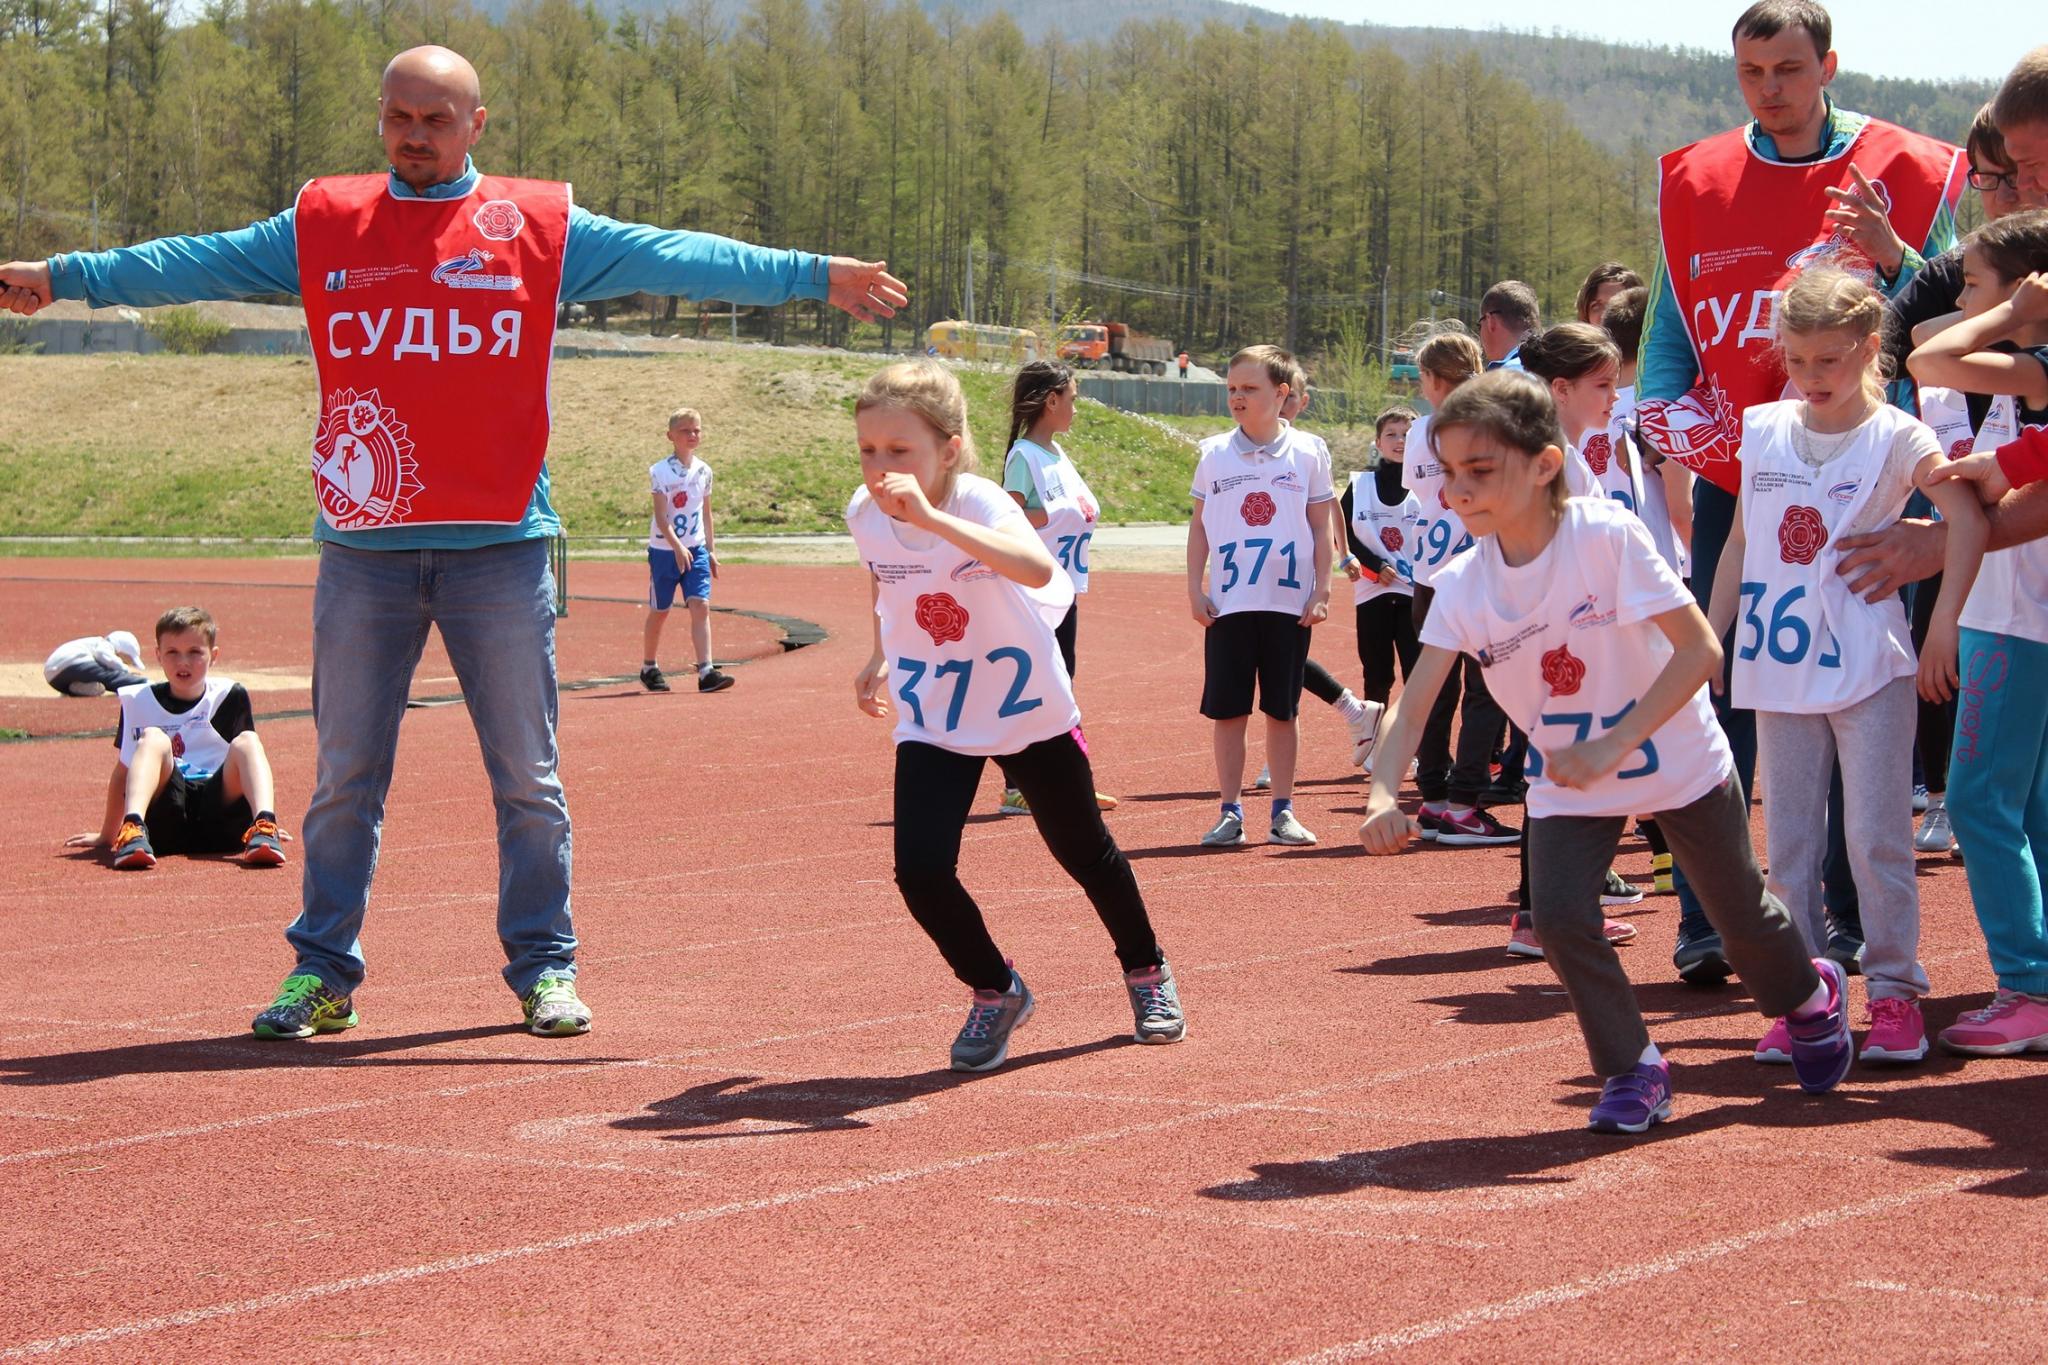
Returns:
(1261,530)
(679,552)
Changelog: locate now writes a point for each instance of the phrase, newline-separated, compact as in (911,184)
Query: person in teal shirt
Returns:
(487,588)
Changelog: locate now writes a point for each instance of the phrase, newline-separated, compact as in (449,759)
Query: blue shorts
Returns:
(663,580)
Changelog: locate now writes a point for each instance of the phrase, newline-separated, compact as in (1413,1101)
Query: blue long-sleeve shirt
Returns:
(602,258)
(1669,366)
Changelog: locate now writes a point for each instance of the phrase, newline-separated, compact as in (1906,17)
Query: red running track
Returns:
(1369,1145)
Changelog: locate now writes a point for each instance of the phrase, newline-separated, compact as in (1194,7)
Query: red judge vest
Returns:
(433,328)
(1735,228)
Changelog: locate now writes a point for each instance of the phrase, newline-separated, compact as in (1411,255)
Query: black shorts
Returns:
(197,817)
(1268,648)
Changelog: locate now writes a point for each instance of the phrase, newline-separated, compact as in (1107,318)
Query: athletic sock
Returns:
(702,669)
(1650,1057)
(1235,808)
(1815,1003)
(1349,706)
(1281,806)
(646,663)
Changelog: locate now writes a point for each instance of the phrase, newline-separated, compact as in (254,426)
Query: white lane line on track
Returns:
(1619,1277)
(510,1159)
(291,1298)
(1261,1224)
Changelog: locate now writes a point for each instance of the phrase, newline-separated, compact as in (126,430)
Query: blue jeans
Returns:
(1998,799)
(495,610)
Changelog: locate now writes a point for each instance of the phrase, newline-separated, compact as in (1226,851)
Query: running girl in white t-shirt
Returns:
(1598,651)
(1040,477)
(1998,355)
(1830,675)
(966,598)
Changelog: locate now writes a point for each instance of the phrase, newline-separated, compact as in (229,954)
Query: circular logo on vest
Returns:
(1390,536)
(1962,447)
(942,618)
(1258,509)
(1801,535)
(1599,450)
(362,462)
(500,220)
(1563,671)
(680,499)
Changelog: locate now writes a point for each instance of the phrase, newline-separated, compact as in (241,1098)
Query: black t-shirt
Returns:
(230,718)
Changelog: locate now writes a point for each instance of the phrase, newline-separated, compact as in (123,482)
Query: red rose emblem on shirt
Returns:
(1599,450)
(1801,535)
(940,617)
(1089,512)
(1390,536)
(500,220)
(1258,509)
(1563,671)
(177,746)
(1962,447)
(679,499)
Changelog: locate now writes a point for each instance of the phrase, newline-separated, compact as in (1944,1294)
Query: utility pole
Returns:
(970,279)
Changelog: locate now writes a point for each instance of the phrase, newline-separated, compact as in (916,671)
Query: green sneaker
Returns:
(553,1009)
(304,1007)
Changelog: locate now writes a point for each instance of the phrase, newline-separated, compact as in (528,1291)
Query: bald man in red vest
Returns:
(431,295)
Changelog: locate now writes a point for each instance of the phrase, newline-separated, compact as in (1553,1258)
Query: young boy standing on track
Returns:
(1830,675)
(1261,530)
(680,552)
(1597,649)
(192,776)
(966,598)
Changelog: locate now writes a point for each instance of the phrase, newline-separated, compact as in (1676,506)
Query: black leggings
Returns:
(934,792)
(1937,728)
(1386,632)
(1065,632)
(1320,683)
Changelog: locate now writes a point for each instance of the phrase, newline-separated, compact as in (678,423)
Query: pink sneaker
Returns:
(1896,1031)
(1776,1047)
(2011,1024)
(1522,940)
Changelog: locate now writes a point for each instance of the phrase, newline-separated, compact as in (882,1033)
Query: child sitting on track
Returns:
(966,599)
(95,665)
(1597,650)
(1261,530)
(680,552)
(192,776)
(1829,674)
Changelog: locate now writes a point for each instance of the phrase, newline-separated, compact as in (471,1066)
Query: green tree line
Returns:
(1214,184)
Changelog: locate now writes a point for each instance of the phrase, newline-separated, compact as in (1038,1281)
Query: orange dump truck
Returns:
(1114,346)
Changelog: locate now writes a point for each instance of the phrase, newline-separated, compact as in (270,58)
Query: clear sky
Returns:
(1882,37)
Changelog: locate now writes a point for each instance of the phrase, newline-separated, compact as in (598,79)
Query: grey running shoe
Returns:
(1936,834)
(983,1043)
(1156,1015)
(1264,781)
(1229,833)
(554,1010)
(1288,830)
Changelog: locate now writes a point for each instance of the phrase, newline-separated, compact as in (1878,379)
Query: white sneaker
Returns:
(1936,834)
(1364,730)
(1288,830)
(1265,779)
(1228,833)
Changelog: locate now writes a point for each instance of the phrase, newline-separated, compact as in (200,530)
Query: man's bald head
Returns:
(430,113)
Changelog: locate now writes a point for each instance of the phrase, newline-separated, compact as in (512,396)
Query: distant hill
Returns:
(1629,99)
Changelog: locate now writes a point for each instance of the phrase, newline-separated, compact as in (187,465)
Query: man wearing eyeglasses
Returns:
(1804,182)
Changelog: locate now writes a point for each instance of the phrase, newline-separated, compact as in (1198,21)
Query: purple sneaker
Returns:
(1822,1047)
(1632,1101)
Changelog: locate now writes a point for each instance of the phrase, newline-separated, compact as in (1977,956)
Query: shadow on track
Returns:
(244,1052)
(827,1104)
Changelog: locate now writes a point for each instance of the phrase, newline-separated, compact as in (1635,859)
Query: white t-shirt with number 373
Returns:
(973,664)
(1569,647)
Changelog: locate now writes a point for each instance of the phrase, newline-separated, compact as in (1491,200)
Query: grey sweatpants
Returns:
(1874,740)
(1568,860)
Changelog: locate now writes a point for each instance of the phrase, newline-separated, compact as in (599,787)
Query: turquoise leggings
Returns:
(1998,799)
